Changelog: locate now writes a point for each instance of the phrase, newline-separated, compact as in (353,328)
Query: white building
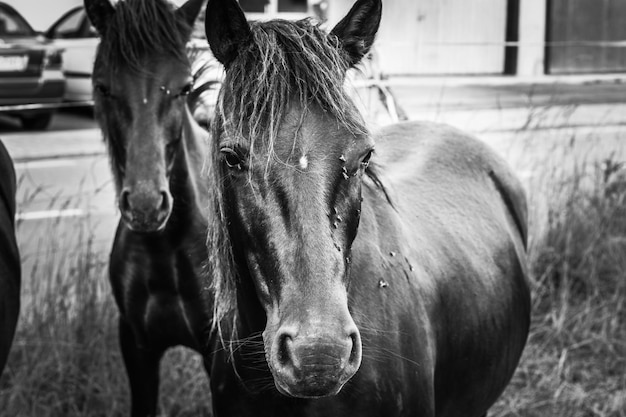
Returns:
(469,37)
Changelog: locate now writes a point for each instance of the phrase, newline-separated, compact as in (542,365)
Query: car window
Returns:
(12,24)
(69,26)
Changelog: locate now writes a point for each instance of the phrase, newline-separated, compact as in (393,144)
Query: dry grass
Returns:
(575,360)
(65,360)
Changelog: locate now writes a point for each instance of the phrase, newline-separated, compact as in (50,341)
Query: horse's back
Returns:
(436,173)
(10,271)
(463,227)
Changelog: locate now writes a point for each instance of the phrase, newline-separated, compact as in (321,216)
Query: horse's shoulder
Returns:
(434,142)
(451,187)
(443,159)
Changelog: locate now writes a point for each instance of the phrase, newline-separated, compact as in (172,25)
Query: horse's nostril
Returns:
(355,352)
(285,357)
(165,201)
(124,201)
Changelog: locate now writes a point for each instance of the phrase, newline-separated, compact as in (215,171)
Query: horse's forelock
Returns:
(140,29)
(284,61)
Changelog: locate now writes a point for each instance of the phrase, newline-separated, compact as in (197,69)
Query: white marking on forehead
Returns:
(145,100)
(304,162)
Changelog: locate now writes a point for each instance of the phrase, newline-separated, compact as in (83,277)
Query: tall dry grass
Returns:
(65,360)
(575,360)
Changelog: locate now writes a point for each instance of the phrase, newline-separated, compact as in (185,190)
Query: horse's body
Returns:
(158,279)
(387,290)
(10,269)
(438,292)
(142,81)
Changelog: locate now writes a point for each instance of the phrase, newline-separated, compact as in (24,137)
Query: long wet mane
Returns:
(141,28)
(282,62)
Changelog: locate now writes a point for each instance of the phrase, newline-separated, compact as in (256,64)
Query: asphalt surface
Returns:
(64,204)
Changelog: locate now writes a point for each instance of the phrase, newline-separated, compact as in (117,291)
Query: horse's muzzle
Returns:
(314,366)
(145,212)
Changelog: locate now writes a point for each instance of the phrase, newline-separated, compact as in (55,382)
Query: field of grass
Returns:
(575,359)
(65,359)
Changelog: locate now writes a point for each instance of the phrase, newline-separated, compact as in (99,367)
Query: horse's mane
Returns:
(141,28)
(282,61)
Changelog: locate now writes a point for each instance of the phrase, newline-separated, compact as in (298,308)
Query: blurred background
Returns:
(456,36)
(541,81)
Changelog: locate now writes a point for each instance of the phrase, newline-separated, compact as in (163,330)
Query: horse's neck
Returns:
(186,183)
(388,244)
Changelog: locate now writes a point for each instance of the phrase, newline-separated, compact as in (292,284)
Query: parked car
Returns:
(31,80)
(79,40)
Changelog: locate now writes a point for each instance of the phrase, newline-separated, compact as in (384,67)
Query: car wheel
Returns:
(40,121)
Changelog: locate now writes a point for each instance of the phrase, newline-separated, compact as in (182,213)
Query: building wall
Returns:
(461,36)
(41,14)
(531,35)
(438,37)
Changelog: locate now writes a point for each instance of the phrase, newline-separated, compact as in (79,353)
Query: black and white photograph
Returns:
(312,208)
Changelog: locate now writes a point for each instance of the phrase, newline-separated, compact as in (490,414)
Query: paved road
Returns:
(64,204)
(65,195)
(72,132)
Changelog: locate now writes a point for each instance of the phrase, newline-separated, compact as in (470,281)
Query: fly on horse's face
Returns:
(140,99)
(293,190)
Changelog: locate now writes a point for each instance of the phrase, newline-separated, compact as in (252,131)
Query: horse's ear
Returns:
(226,29)
(189,12)
(357,30)
(99,13)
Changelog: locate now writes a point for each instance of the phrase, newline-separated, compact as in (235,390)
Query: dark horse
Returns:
(142,77)
(10,268)
(344,287)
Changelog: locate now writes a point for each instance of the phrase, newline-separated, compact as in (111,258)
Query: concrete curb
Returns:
(503,80)
(550,117)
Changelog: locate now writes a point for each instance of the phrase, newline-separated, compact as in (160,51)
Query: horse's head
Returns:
(141,79)
(291,150)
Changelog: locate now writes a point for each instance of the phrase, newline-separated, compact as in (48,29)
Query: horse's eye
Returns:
(186,90)
(232,159)
(173,144)
(366,160)
(102,90)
